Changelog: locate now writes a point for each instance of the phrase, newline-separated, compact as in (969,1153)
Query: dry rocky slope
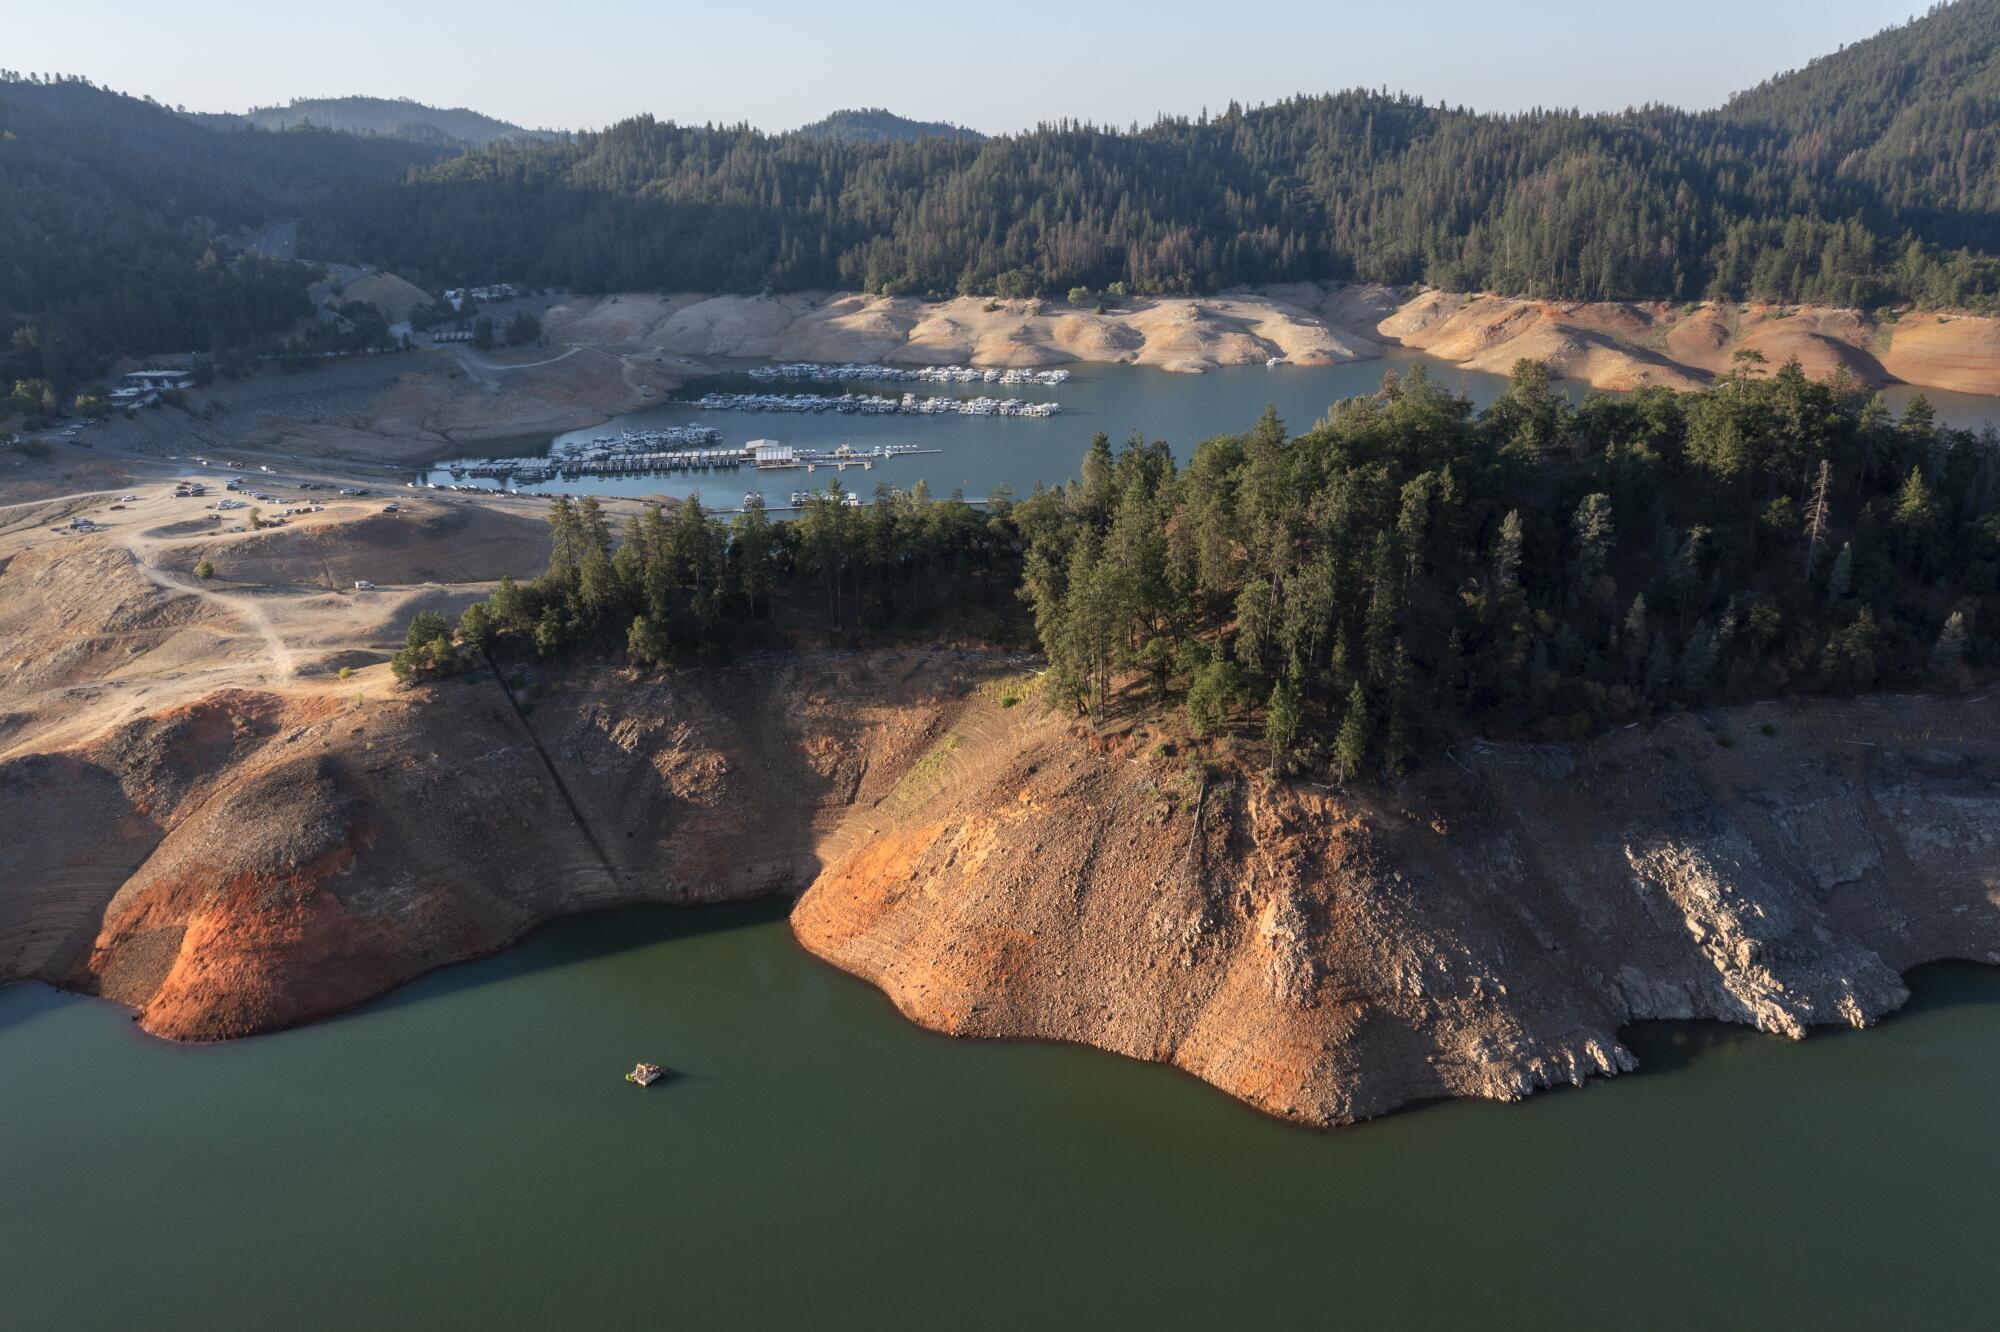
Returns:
(1482,931)
(1610,345)
(258,858)
(255,859)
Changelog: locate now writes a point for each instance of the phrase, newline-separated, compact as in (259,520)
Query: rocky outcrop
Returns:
(1483,931)
(257,860)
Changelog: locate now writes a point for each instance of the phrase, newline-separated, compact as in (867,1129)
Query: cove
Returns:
(978,454)
(465,1152)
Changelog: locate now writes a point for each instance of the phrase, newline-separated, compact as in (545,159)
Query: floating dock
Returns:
(923,374)
(875,404)
(632,459)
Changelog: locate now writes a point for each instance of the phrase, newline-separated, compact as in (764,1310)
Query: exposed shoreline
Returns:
(1608,345)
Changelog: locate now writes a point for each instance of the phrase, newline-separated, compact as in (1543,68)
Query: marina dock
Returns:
(875,404)
(634,457)
(922,374)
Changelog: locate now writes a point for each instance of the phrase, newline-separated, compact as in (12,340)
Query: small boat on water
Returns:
(646,1074)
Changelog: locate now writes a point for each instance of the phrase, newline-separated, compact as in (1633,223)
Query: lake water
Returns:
(978,453)
(465,1153)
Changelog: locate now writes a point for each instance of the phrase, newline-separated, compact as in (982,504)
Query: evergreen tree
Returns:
(1350,749)
(1281,719)
(1949,650)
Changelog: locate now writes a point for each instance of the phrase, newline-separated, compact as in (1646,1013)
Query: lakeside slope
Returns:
(231,839)
(1608,345)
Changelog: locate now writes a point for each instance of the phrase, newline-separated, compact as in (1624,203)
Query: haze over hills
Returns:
(393,118)
(1871,178)
(1748,202)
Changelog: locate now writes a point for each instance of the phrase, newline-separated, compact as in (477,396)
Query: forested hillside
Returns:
(1910,115)
(114,219)
(1868,178)
(1399,575)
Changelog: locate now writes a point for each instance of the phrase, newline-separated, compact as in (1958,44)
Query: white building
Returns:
(160,379)
(499,291)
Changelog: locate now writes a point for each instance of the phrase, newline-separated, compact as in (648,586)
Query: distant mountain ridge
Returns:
(1870,179)
(1867,180)
(874,124)
(383,117)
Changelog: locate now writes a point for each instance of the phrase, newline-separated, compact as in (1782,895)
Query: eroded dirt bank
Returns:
(256,859)
(1610,345)
(259,858)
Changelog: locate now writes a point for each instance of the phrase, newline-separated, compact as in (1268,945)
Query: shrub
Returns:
(205,570)
(1009,690)
(428,651)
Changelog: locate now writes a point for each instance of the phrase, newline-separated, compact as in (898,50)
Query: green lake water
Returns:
(465,1153)
(976,454)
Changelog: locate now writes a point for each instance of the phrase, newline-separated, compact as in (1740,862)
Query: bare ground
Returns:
(1610,345)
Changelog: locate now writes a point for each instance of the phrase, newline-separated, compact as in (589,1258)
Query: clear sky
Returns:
(995,67)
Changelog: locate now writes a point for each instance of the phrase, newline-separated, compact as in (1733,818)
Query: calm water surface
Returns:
(980,453)
(465,1153)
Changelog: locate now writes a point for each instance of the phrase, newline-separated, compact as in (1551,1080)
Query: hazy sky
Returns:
(779,63)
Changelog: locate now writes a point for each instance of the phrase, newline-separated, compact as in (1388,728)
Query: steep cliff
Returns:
(1484,931)
(258,859)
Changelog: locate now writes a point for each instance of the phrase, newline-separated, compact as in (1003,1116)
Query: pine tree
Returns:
(1350,747)
(1281,719)
(1816,516)
(1949,650)
(1594,534)
(647,642)
(1840,578)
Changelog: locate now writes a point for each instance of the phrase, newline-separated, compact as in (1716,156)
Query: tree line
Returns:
(684,585)
(1872,178)
(1406,571)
